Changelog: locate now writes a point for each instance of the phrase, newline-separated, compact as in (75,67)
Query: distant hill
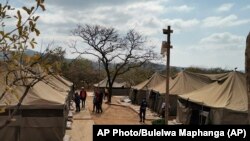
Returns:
(28,52)
(160,67)
(154,66)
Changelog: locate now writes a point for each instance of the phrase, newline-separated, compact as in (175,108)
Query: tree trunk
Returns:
(247,70)
(110,95)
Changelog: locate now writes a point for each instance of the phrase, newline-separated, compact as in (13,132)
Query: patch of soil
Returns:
(114,114)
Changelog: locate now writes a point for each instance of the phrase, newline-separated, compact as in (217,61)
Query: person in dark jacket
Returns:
(143,108)
(100,100)
(95,101)
(77,102)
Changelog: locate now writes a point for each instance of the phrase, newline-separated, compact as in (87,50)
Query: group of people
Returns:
(80,98)
(99,95)
(98,99)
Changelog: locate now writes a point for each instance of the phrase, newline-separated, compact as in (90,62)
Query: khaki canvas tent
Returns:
(64,80)
(119,86)
(221,102)
(43,112)
(184,82)
(104,84)
(147,89)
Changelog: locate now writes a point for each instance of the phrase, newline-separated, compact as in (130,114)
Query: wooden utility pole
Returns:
(166,46)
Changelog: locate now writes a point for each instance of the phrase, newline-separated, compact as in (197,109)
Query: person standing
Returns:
(77,102)
(83,95)
(95,101)
(100,100)
(163,110)
(143,108)
(106,93)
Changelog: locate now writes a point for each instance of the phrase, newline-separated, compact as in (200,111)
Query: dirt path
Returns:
(114,114)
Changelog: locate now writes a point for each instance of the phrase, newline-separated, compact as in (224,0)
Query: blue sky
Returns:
(206,33)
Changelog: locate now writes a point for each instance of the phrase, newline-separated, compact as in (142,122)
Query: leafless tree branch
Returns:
(108,46)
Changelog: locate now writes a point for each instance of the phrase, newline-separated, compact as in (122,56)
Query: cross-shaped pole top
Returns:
(168,32)
(166,47)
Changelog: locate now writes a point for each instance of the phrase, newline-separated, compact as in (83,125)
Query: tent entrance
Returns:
(194,120)
(199,114)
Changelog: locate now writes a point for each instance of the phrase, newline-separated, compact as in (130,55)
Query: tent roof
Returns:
(42,94)
(46,93)
(229,93)
(214,77)
(55,82)
(185,82)
(64,80)
(150,83)
(104,83)
(161,87)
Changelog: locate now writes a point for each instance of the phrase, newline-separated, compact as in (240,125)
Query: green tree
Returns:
(206,70)
(55,57)
(18,70)
(173,71)
(137,75)
(81,72)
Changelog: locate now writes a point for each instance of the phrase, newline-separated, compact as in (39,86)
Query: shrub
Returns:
(158,122)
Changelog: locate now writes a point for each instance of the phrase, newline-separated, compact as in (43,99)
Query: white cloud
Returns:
(144,13)
(224,50)
(246,7)
(223,40)
(182,8)
(150,6)
(149,17)
(225,7)
(56,18)
(222,58)
(142,16)
(231,20)
(180,24)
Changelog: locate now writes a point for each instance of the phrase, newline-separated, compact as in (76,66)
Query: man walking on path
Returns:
(143,107)
(83,95)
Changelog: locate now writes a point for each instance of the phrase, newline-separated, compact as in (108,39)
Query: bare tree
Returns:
(118,54)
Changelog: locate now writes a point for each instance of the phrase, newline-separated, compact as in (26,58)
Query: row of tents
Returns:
(43,112)
(119,87)
(196,98)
